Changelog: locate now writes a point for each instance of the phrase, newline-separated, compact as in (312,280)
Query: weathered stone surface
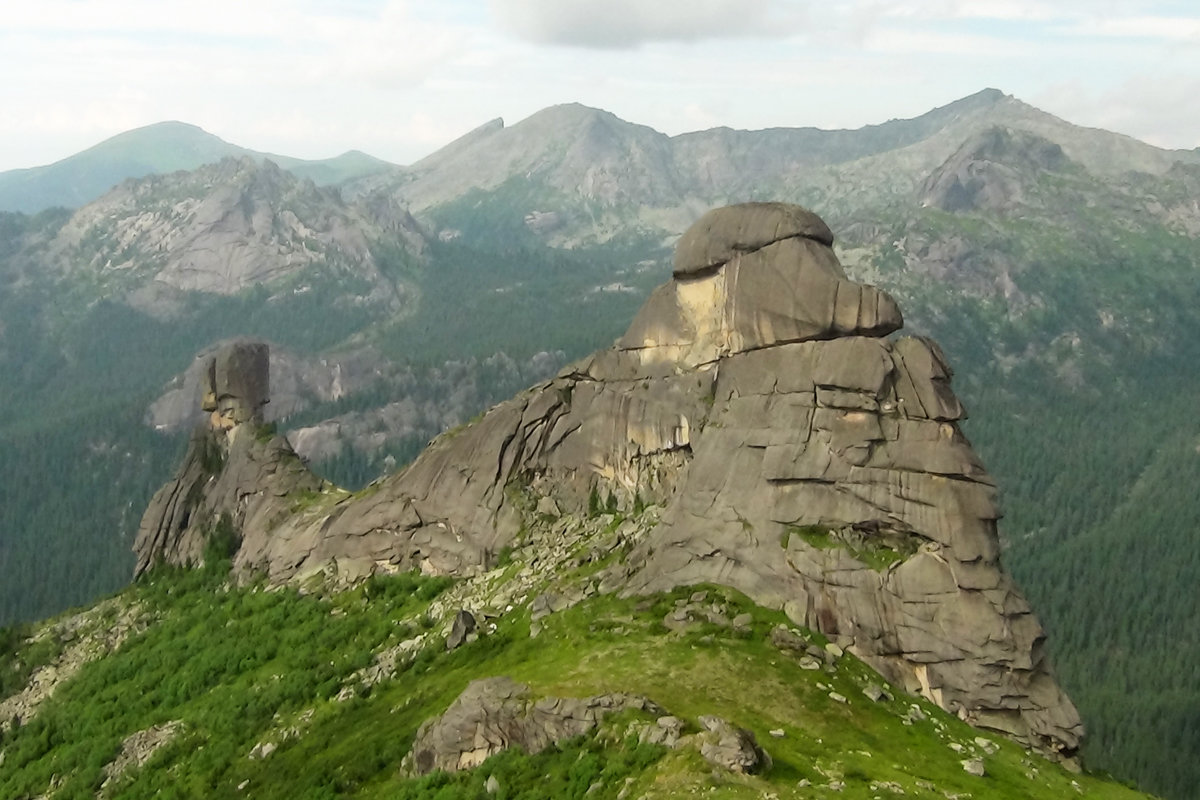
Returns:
(231,470)
(723,233)
(974,766)
(794,453)
(86,637)
(666,731)
(790,290)
(494,714)
(732,748)
(236,384)
(462,627)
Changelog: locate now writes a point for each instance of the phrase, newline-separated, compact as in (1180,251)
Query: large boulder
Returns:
(494,714)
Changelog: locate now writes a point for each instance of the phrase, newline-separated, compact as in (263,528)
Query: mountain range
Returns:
(154,149)
(1055,264)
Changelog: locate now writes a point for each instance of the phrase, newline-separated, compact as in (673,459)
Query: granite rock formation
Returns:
(227,469)
(494,714)
(793,453)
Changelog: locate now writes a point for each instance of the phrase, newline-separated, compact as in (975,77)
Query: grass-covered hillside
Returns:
(187,686)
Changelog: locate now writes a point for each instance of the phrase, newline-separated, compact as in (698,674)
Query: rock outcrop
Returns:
(795,454)
(732,748)
(993,170)
(494,714)
(137,749)
(226,227)
(235,475)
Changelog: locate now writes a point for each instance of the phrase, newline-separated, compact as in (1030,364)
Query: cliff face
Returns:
(792,452)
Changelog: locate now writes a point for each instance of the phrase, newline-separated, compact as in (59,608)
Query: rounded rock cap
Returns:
(726,232)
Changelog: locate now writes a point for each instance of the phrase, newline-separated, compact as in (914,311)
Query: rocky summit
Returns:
(757,428)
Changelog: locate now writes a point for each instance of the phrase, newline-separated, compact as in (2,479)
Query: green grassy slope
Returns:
(239,667)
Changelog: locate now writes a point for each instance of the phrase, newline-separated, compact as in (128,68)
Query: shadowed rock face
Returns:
(227,467)
(235,384)
(795,454)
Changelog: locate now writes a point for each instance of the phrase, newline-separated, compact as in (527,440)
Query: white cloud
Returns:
(1159,109)
(1170,29)
(898,40)
(629,23)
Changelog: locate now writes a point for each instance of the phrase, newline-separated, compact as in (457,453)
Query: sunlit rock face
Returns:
(792,451)
(236,385)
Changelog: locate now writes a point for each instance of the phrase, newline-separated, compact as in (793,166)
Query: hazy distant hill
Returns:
(571,174)
(162,147)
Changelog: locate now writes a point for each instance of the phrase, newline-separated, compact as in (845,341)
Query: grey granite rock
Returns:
(494,714)
(235,473)
(794,454)
(462,627)
(723,233)
(732,748)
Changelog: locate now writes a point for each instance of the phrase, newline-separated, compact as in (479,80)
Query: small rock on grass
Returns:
(875,692)
(974,766)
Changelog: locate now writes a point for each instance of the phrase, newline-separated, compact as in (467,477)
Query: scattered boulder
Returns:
(728,747)
(548,507)
(974,766)
(462,627)
(262,750)
(494,714)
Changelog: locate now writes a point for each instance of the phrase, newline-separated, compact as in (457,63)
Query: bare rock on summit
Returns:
(234,475)
(792,452)
(236,384)
(753,276)
(724,233)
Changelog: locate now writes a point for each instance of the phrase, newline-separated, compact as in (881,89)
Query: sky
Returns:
(400,78)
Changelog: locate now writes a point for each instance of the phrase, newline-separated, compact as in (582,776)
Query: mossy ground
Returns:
(241,666)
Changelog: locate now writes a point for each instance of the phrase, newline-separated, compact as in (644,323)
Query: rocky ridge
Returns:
(227,227)
(790,450)
(78,639)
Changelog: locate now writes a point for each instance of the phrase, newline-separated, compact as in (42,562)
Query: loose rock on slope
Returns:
(494,714)
(797,456)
